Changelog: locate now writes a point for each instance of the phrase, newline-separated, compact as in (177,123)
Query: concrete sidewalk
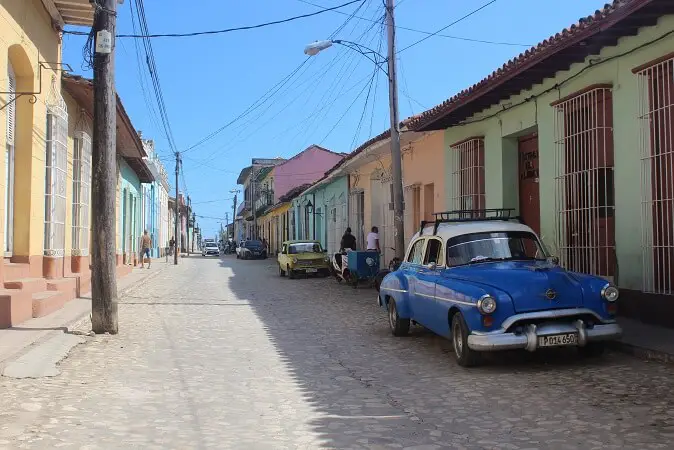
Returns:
(647,341)
(16,340)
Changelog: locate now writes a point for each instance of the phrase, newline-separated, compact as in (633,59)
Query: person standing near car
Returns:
(373,240)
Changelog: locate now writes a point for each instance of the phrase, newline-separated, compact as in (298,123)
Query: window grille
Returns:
(656,106)
(584,197)
(9,162)
(467,176)
(55,179)
(81,193)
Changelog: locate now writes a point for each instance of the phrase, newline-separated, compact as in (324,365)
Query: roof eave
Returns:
(599,33)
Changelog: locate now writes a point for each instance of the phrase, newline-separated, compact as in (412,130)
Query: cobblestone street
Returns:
(225,354)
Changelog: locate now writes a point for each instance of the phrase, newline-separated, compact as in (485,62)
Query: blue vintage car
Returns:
(485,280)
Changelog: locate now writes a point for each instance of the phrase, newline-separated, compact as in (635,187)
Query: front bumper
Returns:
(528,339)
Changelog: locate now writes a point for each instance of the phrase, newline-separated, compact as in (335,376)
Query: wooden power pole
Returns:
(187,228)
(178,237)
(104,179)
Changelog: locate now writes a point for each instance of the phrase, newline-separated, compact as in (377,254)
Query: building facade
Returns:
(580,146)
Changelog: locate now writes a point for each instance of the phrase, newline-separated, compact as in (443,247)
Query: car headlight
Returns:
(294,260)
(610,293)
(486,304)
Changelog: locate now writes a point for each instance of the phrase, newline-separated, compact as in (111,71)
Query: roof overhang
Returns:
(245,172)
(70,12)
(129,145)
(620,19)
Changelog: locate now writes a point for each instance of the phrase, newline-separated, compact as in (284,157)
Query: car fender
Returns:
(462,295)
(395,286)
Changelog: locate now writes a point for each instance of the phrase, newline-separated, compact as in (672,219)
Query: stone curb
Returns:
(643,353)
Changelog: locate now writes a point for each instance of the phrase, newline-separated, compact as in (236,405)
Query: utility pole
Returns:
(177,236)
(104,168)
(187,229)
(396,157)
(252,203)
(194,220)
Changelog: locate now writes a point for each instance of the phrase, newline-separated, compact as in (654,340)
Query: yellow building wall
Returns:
(423,166)
(27,38)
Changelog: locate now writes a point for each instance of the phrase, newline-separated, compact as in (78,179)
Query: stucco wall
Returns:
(501,130)
(306,167)
(26,37)
(423,165)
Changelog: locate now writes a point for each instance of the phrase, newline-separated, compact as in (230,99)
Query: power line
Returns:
(147,35)
(447,26)
(154,75)
(429,33)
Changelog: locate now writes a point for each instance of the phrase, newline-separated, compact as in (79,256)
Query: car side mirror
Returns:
(554,260)
(325,250)
(432,266)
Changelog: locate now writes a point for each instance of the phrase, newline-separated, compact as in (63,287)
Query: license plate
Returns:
(558,340)
(312,270)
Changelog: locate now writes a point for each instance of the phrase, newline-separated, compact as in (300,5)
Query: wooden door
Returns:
(529,192)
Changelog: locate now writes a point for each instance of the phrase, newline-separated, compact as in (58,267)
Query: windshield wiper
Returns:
(486,259)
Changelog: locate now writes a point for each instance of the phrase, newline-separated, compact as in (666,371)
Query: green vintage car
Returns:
(303,257)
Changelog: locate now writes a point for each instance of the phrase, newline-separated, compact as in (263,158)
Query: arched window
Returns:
(9,161)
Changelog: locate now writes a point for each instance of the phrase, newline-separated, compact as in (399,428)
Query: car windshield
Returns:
(493,246)
(253,244)
(304,247)
(211,245)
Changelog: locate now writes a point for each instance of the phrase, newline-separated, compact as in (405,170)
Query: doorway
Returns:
(529,191)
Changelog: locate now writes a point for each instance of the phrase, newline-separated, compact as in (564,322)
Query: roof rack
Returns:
(470,215)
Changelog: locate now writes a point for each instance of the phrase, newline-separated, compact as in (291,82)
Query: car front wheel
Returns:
(399,327)
(464,355)
(291,273)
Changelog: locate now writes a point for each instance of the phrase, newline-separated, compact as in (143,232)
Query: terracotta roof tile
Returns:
(585,27)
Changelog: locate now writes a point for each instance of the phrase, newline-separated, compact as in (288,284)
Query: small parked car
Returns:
(303,257)
(252,249)
(210,249)
(485,281)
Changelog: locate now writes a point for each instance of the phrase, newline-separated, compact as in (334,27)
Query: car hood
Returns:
(532,285)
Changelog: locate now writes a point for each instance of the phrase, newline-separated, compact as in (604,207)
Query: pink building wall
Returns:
(306,167)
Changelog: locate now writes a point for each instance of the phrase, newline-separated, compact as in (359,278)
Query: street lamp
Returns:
(396,160)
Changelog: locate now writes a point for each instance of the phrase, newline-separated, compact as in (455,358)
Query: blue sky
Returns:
(209,80)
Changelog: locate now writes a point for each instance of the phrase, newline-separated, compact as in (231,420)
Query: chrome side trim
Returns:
(551,314)
(459,302)
(393,290)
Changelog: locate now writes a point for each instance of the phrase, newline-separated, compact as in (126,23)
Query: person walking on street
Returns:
(146,245)
(172,246)
(348,241)
(373,240)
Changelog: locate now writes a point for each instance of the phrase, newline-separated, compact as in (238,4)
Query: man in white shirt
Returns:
(373,240)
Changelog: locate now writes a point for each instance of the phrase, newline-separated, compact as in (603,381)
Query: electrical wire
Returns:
(447,26)
(154,76)
(429,33)
(147,35)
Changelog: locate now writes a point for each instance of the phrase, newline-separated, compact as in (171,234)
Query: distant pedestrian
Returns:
(146,246)
(172,246)
(348,241)
(373,240)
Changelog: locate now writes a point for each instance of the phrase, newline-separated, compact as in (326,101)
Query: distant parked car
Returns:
(303,257)
(487,283)
(251,249)
(210,249)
